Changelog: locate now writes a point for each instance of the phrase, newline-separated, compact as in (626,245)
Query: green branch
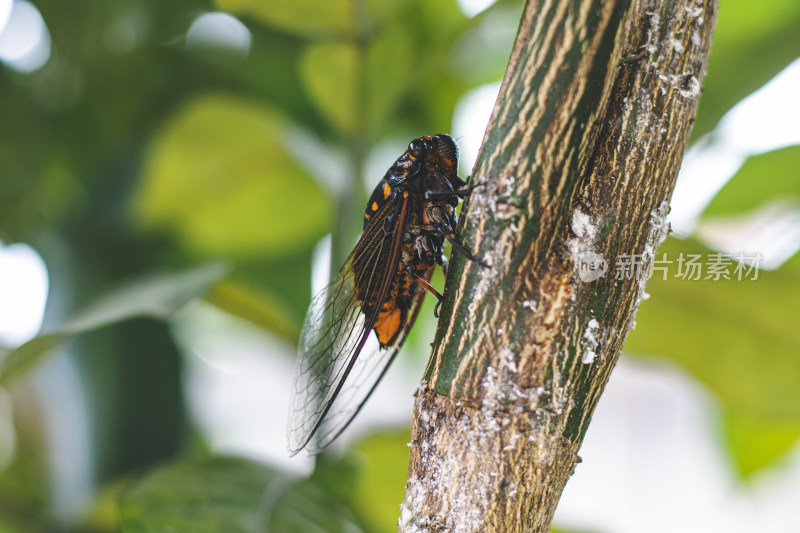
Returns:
(578,167)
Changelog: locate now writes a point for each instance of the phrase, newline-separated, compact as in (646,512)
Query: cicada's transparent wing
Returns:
(335,346)
(339,358)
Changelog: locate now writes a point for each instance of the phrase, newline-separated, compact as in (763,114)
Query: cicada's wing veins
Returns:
(337,343)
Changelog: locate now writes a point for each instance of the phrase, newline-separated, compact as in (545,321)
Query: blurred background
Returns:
(171,174)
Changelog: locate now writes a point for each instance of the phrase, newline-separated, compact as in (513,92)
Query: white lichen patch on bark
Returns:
(589,263)
(590,341)
(652,32)
(487,277)
(583,228)
(696,13)
(658,232)
(676,45)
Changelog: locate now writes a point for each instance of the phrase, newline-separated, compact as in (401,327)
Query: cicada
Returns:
(355,326)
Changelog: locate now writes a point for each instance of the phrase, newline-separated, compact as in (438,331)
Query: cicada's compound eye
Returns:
(417,147)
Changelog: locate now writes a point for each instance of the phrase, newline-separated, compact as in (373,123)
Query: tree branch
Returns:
(578,165)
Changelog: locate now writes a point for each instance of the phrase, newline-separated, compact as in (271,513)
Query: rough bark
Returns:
(578,164)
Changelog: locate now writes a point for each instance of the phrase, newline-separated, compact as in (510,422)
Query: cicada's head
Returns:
(439,150)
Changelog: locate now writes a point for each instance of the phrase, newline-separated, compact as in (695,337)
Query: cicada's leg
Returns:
(460,247)
(462,191)
(428,287)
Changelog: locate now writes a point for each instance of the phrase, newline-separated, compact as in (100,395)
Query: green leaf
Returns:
(330,72)
(762,180)
(740,338)
(305,506)
(759,42)
(260,309)
(382,460)
(310,18)
(197,495)
(220,176)
(756,442)
(158,296)
(213,494)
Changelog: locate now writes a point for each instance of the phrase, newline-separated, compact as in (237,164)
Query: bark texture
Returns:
(577,170)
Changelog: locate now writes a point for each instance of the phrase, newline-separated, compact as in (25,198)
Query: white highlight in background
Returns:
(470,118)
(767,119)
(238,381)
(5,13)
(220,31)
(23,293)
(321,265)
(24,41)
(471,8)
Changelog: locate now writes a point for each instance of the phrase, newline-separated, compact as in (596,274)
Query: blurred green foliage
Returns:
(738,338)
(205,182)
(213,494)
(131,154)
(743,329)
